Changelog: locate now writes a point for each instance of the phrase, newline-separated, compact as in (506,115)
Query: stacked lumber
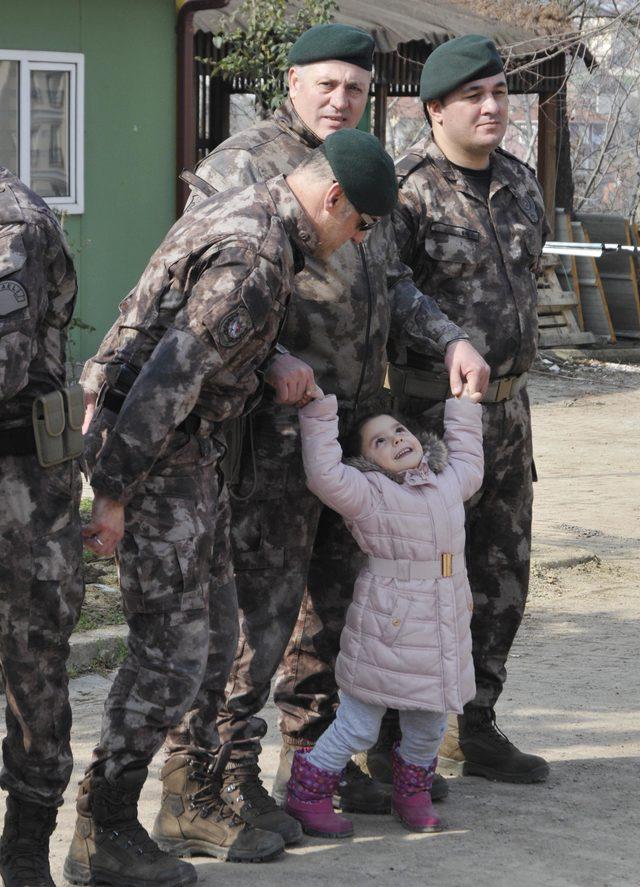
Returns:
(618,271)
(557,310)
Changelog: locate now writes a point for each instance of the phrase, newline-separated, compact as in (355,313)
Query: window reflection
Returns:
(50,133)
(9,149)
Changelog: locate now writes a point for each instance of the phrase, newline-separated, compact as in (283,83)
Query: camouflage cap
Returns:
(363,169)
(333,41)
(456,62)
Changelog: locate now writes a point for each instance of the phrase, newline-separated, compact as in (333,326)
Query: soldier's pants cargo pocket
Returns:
(161,577)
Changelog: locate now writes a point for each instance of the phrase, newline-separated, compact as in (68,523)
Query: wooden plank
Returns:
(568,263)
(617,270)
(595,311)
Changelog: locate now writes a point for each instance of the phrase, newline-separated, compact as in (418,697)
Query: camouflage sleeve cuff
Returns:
(453,333)
(93,376)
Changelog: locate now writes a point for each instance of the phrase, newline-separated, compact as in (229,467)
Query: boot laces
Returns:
(123,827)
(252,792)
(486,723)
(353,774)
(206,800)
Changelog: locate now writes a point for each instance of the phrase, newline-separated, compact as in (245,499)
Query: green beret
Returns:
(456,62)
(363,169)
(333,41)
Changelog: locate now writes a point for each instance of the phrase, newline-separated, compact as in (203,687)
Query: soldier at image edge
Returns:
(186,356)
(41,587)
(471,223)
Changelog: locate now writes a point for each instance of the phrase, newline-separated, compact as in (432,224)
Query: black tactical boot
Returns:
(24,846)
(484,750)
(377,761)
(110,846)
(194,820)
(243,791)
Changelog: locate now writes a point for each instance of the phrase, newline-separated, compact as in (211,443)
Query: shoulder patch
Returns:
(234,326)
(13,297)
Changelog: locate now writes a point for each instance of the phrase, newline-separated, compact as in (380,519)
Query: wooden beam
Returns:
(548,152)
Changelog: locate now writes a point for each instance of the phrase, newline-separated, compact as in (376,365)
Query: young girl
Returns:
(406,642)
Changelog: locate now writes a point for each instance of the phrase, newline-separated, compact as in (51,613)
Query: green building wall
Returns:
(129,48)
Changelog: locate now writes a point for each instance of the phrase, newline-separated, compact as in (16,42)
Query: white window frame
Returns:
(73,62)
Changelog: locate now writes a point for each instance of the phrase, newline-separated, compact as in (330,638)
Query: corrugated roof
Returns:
(394,22)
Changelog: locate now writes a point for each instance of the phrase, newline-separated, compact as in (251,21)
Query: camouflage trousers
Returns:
(41,593)
(282,538)
(498,547)
(179,601)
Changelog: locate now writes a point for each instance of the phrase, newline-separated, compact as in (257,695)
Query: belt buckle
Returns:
(447,565)
(504,389)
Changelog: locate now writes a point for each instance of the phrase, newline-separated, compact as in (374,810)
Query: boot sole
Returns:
(468,768)
(78,873)
(348,807)
(429,829)
(316,833)
(193,847)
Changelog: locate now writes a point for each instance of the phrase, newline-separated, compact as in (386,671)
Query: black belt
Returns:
(114,401)
(17,441)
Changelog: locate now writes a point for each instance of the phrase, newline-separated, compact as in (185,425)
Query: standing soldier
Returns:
(337,330)
(183,357)
(471,224)
(41,588)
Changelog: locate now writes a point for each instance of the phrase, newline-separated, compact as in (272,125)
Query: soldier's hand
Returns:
(90,398)
(464,364)
(474,397)
(106,528)
(292,378)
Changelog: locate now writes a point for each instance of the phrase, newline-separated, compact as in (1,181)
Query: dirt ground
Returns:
(572,693)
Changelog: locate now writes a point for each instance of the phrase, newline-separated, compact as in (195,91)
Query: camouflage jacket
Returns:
(203,317)
(478,257)
(37,298)
(346,307)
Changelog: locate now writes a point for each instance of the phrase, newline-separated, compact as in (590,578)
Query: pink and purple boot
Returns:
(411,798)
(309,794)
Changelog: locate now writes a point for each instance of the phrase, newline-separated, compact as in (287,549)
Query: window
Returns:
(41,123)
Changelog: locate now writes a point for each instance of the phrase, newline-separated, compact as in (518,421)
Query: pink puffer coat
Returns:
(406,643)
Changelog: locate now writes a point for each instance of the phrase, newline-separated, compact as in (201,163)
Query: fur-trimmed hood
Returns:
(435,458)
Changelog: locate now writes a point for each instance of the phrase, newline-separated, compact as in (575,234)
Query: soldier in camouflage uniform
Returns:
(471,223)
(283,538)
(189,345)
(41,588)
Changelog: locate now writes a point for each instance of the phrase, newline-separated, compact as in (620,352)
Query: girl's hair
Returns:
(351,441)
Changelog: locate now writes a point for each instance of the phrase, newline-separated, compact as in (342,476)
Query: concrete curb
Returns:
(99,643)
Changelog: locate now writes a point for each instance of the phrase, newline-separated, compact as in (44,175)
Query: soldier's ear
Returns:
(434,110)
(332,197)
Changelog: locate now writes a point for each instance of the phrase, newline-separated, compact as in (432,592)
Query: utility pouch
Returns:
(48,427)
(234,431)
(74,409)
(57,425)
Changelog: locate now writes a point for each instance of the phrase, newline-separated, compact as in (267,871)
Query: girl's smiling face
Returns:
(390,445)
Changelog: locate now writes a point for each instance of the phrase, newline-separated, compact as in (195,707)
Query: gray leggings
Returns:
(356,729)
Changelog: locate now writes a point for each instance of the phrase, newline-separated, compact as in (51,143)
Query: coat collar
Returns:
(434,460)
(289,120)
(297,223)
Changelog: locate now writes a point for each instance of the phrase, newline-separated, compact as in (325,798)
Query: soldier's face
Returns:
(329,96)
(390,445)
(472,119)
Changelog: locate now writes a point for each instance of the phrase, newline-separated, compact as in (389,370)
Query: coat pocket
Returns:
(395,620)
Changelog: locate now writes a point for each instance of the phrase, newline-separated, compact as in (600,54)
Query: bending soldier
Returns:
(41,588)
(185,356)
(337,330)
